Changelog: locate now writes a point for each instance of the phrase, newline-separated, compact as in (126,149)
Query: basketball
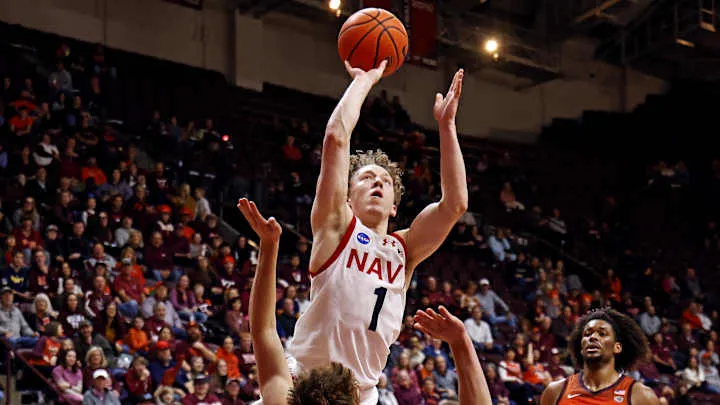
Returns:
(370,36)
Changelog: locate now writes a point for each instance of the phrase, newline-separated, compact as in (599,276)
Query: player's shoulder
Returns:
(553,391)
(641,394)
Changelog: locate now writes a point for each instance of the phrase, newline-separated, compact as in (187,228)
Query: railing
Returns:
(12,355)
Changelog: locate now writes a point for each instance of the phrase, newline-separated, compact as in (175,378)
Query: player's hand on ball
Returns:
(445,108)
(267,229)
(443,325)
(373,74)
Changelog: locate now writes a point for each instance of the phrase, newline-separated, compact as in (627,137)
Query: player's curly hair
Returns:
(331,385)
(377,157)
(634,343)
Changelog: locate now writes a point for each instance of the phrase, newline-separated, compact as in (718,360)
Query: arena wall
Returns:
(300,54)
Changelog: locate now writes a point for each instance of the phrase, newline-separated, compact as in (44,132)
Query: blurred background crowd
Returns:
(126,269)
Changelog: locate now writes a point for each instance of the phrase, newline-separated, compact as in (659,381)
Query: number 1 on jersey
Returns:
(380,292)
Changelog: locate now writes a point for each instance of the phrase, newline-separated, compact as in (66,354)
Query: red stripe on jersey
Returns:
(402,242)
(343,242)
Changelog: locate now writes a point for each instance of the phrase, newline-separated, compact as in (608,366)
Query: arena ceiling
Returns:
(666,38)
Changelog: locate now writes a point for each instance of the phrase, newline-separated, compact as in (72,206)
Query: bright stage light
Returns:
(491,46)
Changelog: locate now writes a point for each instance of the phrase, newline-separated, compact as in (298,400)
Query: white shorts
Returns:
(368,396)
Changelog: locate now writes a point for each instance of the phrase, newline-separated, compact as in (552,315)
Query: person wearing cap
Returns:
(201,394)
(86,339)
(163,365)
(488,299)
(54,245)
(13,325)
(712,377)
(231,396)
(98,394)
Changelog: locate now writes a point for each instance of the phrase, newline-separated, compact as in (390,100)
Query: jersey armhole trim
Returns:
(562,391)
(402,242)
(629,394)
(343,242)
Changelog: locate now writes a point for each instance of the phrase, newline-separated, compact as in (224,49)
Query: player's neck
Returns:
(596,378)
(379,226)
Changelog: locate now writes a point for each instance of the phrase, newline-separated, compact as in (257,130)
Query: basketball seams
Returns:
(354,25)
(380,24)
(394,57)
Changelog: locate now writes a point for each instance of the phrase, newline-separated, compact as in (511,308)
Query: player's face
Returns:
(598,343)
(372,191)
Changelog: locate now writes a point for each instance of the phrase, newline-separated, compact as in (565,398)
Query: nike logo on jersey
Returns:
(571,396)
(373,266)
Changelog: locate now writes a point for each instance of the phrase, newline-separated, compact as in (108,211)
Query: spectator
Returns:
(130,291)
(202,206)
(446,379)
(137,380)
(98,393)
(13,325)
(287,318)
(712,378)
(385,395)
(500,246)
(201,394)
(405,392)
(46,153)
(488,299)
(68,377)
(479,331)
(649,321)
(692,377)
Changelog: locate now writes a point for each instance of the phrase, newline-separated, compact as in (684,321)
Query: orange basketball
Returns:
(370,36)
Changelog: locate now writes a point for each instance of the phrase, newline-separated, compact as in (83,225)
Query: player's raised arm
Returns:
(472,386)
(433,224)
(330,210)
(273,373)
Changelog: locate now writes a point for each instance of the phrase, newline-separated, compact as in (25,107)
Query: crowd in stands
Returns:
(119,284)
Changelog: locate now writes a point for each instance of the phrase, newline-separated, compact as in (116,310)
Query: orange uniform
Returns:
(575,393)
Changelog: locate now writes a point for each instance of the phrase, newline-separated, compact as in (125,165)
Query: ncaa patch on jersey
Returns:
(363,238)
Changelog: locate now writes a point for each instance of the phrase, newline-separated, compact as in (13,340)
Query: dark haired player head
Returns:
(604,344)
(605,336)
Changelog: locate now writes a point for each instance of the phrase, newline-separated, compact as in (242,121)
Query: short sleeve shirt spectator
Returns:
(132,287)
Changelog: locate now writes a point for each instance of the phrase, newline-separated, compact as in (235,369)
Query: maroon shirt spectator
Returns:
(177,244)
(26,237)
(127,287)
(137,379)
(157,256)
(228,276)
(98,298)
(293,273)
(405,392)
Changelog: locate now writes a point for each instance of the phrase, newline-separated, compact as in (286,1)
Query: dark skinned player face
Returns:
(598,343)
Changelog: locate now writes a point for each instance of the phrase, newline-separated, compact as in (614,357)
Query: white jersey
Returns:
(357,307)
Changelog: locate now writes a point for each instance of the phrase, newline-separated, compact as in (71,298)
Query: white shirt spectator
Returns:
(45,153)
(649,322)
(479,331)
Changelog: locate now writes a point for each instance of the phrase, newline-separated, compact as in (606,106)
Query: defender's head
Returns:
(605,335)
(333,384)
(375,185)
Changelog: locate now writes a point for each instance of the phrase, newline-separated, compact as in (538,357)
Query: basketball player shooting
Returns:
(603,344)
(359,272)
(333,382)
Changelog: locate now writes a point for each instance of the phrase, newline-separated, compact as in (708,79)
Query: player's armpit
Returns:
(552,393)
(643,395)
(429,230)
